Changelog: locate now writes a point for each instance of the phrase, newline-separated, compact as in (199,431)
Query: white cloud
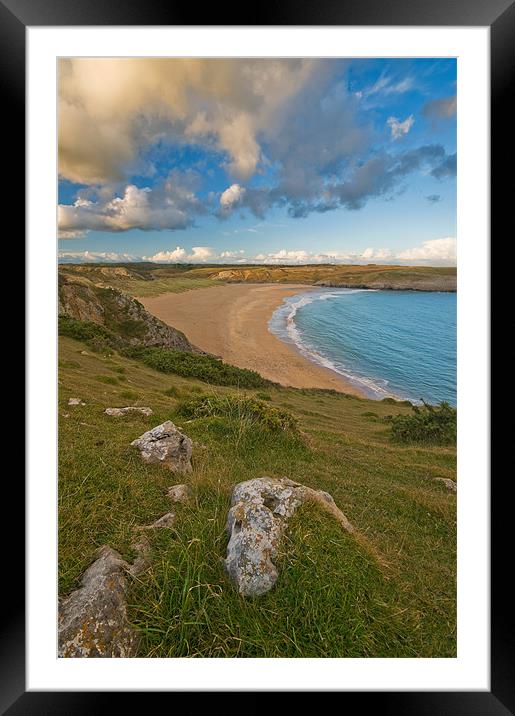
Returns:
(231,254)
(397,128)
(231,197)
(386,85)
(77,234)
(169,205)
(199,254)
(377,254)
(96,257)
(435,250)
(111,109)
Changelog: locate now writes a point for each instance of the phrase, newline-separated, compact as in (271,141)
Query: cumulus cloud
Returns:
(371,254)
(110,109)
(168,205)
(199,254)
(293,123)
(231,197)
(443,108)
(397,128)
(435,251)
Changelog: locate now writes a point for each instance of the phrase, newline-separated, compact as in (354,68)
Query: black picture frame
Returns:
(499,15)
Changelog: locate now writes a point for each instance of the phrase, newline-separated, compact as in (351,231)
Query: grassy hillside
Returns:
(334,597)
(148,279)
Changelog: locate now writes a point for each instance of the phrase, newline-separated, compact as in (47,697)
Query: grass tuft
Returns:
(248,411)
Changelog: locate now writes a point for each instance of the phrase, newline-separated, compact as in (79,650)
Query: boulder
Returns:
(179,493)
(257,519)
(165,445)
(93,619)
(118,412)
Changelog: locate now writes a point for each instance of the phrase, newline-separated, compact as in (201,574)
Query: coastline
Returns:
(231,321)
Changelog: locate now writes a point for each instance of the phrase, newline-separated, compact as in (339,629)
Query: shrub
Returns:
(239,408)
(429,424)
(82,330)
(203,367)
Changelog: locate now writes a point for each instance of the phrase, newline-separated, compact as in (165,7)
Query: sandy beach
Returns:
(231,322)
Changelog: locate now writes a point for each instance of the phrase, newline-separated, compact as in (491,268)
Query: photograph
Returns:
(257,357)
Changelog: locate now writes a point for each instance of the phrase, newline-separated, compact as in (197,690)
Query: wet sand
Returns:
(231,321)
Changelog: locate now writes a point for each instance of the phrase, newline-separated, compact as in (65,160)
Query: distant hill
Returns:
(150,279)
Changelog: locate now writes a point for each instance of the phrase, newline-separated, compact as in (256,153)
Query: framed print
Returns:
(258,387)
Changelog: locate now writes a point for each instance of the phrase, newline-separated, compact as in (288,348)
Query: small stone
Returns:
(93,620)
(165,445)
(449,484)
(75,401)
(142,561)
(179,493)
(118,412)
(166,521)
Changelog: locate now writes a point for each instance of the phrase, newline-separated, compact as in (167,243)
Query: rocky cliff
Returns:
(120,313)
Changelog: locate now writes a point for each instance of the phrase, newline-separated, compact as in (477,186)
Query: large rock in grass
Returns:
(93,619)
(166,445)
(258,516)
(119,412)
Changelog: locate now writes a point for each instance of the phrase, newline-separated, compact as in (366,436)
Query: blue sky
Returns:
(267,161)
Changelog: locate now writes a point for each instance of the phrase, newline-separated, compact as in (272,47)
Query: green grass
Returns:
(332,598)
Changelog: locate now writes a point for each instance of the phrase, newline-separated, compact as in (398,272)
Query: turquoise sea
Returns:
(388,343)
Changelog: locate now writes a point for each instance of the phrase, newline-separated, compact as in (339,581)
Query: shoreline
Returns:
(231,321)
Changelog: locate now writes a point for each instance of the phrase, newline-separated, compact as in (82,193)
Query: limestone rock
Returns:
(179,493)
(164,521)
(75,401)
(449,484)
(167,446)
(142,561)
(93,619)
(118,412)
(257,519)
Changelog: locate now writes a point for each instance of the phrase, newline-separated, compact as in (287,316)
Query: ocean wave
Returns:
(283,324)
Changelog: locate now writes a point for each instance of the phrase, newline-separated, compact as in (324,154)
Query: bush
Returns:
(82,330)
(203,367)
(256,412)
(429,424)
